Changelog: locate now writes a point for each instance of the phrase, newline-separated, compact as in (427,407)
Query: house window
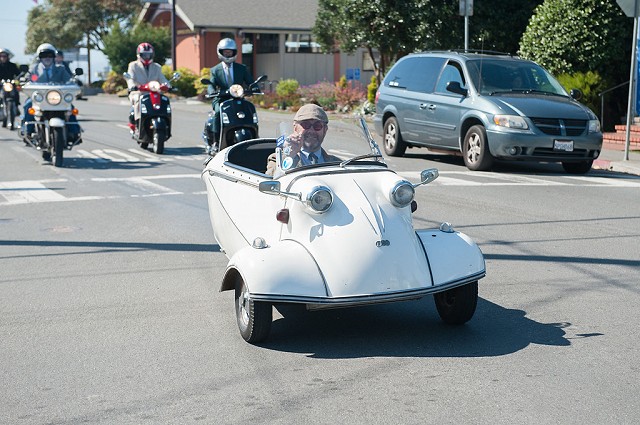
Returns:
(267,43)
(301,43)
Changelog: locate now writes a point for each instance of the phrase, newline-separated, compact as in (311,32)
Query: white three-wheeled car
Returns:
(331,235)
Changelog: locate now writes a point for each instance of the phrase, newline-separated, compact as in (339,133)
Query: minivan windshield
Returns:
(495,76)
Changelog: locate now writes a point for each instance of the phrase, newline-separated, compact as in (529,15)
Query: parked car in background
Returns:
(486,107)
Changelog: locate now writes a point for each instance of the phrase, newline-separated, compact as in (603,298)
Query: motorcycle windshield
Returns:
(300,150)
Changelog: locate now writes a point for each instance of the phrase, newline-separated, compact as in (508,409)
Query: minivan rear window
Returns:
(415,73)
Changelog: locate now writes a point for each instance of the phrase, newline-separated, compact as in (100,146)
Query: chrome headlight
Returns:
(236,90)
(54,97)
(8,87)
(38,97)
(594,126)
(320,199)
(402,194)
(68,97)
(154,86)
(510,121)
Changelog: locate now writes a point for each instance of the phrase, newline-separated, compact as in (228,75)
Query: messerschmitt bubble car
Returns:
(331,235)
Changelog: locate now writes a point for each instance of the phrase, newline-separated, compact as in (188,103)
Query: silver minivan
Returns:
(486,107)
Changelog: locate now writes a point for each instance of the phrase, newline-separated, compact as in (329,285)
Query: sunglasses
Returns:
(317,125)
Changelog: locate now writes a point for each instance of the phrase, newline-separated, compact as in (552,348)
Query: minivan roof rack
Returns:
(485,52)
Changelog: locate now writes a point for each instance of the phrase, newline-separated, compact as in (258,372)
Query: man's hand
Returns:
(294,143)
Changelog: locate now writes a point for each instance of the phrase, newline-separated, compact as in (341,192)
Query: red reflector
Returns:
(414,206)
(283,216)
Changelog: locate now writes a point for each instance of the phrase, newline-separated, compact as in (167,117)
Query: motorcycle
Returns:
(154,124)
(9,105)
(52,109)
(238,117)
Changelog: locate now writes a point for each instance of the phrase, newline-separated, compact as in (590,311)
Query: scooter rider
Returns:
(142,70)
(8,69)
(223,75)
(47,71)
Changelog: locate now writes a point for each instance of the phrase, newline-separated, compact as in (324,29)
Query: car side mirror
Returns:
(79,71)
(576,94)
(269,187)
(455,87)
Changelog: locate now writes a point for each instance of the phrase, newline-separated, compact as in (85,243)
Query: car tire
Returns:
(393,143)
(577,167)
(254,317)
(475,149)
(457,306)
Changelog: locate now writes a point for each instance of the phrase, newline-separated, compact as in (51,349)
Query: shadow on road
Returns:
(105,164)
(409,329)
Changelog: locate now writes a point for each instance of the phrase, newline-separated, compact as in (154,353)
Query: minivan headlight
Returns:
(510,121)
(594,126)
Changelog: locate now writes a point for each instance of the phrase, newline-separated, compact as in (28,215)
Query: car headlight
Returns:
(594,126)
(236,90)
(68,97)
(54,97)
(510,121)
(320,199)
(402,194)
(38,97)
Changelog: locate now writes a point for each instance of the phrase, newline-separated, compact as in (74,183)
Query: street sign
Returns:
(466,7)
(631,8)
(353,73)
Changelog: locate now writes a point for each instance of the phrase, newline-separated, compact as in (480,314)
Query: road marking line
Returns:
(148,155)
(126,156)
(27,191)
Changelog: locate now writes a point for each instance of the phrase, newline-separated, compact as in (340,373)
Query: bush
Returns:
(590,84)
(201,89)
(323,94)
(114,83)
(185,85)
(372,89)
(287,91)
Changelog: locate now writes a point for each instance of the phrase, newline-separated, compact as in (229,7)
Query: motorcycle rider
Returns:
(142,70)
(45,70)
(223,75)
(9,70)
(60,60)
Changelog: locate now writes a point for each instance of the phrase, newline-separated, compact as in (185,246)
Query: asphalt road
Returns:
(110,311)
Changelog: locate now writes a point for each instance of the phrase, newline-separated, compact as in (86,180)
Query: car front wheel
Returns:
(393,143)
(254,318)
(475,149)
(457,306)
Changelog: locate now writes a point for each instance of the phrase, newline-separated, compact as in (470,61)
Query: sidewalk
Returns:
(612,158)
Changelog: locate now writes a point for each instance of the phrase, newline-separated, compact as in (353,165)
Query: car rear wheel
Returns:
(457,306)
(475,149)
(577,167)
(393,143)
(254,317)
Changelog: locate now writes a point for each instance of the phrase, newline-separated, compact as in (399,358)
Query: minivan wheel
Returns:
(475,150)
(393,143)
(577,167)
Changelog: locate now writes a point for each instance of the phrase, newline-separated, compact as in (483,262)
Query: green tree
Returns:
(120,44)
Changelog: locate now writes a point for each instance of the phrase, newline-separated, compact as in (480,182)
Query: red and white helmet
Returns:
(145,53)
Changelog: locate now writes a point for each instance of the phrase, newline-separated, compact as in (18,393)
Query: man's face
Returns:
(3,57)
(47,61)
(311,136)
(227,53)
(59,59)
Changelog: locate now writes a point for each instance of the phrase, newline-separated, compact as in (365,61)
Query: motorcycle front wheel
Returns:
(58,143)
(159,137)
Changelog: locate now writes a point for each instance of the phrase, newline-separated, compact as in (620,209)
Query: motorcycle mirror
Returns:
(176,75)
(261,78)
(24,68)
(205,81)
(79,71)
(126,75)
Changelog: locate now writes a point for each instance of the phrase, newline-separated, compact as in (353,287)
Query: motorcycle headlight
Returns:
(240,115)
(402,194)
(236,90)
(320,199)
(54,97)
(510,121)
(68,97)
(154,86)
(38,97)
(8,87)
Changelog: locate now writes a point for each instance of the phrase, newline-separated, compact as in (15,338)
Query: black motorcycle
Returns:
(9,107)
(238,117)
(154,125)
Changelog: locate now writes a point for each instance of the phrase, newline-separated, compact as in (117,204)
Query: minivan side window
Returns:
(415,74)
(451,72)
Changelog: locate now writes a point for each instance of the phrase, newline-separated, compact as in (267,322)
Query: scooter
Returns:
(238,117)
(9,105)
(52,109)
(154,125)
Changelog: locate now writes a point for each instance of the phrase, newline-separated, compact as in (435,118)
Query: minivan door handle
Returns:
(429,107)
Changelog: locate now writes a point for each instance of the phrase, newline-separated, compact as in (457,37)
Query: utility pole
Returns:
(173,34)
(466,10)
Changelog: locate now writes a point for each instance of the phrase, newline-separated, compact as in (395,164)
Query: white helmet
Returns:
(227,44)
(6,52)
(46,50)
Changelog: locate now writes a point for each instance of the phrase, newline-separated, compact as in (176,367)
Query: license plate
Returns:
(563,145)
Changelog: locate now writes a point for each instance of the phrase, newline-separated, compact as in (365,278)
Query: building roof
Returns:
(292,15)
